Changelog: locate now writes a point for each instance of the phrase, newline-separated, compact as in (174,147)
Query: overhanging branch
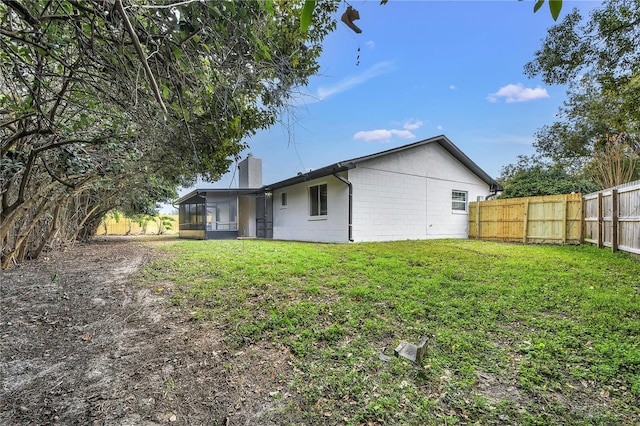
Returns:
(141,55)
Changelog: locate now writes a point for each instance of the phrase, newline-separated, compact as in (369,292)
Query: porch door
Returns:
(264,216)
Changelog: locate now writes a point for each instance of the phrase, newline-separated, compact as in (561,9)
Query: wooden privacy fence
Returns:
(125,226)
(608,218)
(555,219)
(612,218)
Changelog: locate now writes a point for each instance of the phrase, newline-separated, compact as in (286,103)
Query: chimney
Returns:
(250,172)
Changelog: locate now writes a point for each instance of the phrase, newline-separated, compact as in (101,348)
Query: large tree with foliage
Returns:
(112,104)
(599,58)
(531,176)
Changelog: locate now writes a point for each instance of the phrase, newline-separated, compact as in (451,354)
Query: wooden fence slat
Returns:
(614,220)
(564,220)
(478,220)
(548,219)
(583,215)
(600,221)
(525,223)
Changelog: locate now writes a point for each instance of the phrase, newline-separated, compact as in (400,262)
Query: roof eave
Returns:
(442,140)
(230,191)
(311,175)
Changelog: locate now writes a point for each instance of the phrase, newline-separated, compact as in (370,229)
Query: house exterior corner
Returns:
(419,193)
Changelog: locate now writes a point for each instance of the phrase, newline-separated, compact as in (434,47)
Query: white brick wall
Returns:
(293,222)
(407,195)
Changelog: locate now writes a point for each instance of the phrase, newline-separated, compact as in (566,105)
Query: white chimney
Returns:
(250,172)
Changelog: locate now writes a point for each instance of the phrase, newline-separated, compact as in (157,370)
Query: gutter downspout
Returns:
(350,185)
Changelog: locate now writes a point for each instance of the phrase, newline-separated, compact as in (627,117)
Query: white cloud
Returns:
(383,135)
(370,44)
(518,93)
(452,87)
(352,81)
(412,124)
(439,127)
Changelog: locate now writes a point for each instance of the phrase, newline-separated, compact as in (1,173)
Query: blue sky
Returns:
(424,68)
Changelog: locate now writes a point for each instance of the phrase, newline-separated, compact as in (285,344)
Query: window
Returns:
(283,199)
(459,201)
(318,200)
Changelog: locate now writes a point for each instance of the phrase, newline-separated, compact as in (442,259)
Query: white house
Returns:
(416,191)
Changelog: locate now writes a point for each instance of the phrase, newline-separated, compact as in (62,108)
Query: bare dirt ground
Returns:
(81,343)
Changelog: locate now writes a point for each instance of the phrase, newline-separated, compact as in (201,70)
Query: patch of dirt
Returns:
(80,343)
(497,390)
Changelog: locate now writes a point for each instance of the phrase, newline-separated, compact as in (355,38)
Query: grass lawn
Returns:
(516,334)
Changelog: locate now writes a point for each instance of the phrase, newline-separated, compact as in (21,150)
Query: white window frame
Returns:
(456,201)
(319,214)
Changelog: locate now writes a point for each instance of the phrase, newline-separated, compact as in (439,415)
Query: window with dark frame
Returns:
(283,199)
(459,201)
(318,200)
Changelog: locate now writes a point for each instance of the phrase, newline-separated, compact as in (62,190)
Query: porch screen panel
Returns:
(191,216)
(223,215)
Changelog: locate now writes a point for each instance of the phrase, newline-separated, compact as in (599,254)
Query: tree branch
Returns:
(168,6)
(6,145)
(141,55)
(16,36)
(20,10)
(624,26)
(56,178)
(70,142)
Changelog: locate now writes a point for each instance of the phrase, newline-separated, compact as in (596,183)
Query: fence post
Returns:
(583,205)
(564,219)
(477,220)
(600,220)
(525,223)
(614,220)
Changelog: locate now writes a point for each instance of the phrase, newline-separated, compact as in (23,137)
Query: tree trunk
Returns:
(8,222)
(52,231)
(20,244)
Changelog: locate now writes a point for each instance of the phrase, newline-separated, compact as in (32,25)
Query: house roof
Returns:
(441,140)
(232,192)
(341,166)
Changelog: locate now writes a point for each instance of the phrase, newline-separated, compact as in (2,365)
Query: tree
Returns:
(615,161)
(605,46)
(555,7)
(600,61)
(109,105)
(531,176)
(164,223)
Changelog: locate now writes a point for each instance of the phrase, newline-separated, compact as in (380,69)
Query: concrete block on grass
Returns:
(410,351)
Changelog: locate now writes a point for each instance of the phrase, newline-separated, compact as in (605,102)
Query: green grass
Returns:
(517,334)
